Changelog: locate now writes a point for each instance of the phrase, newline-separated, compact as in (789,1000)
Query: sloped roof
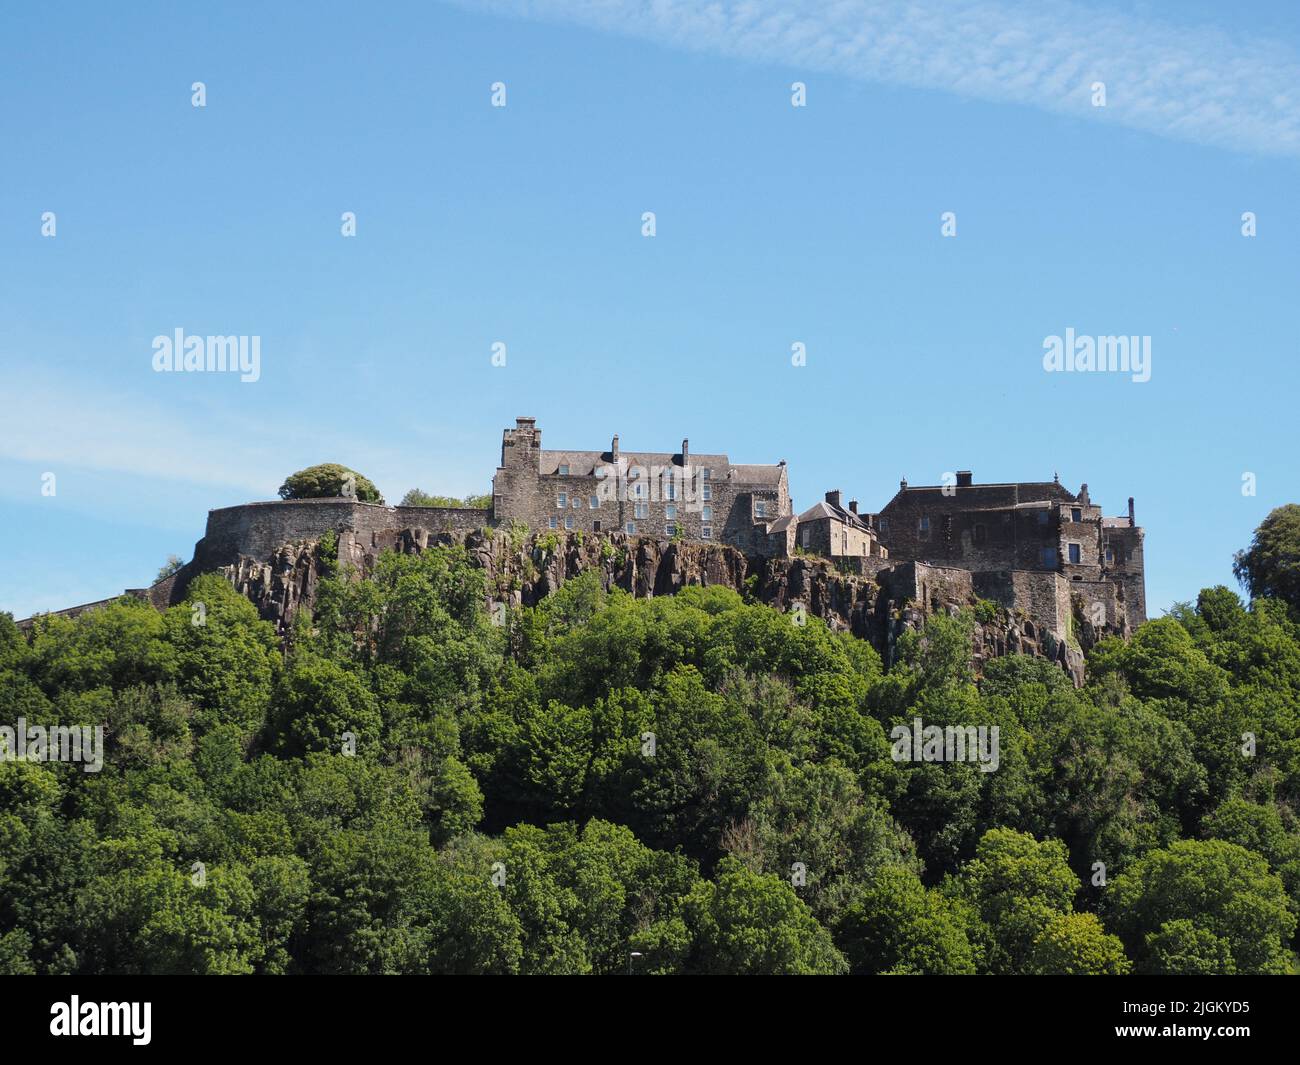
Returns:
(822,509)
(585,463)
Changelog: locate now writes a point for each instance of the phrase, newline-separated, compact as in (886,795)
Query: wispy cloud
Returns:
(1206,85)
(60,424)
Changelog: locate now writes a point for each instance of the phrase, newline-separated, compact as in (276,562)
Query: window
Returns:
(806,534)
(638,489)
(706,533)
(1076,514)
(577,503)
(670,489)
(884,524)
(594,502)
(631,528)
(760,509)
(706,514)
(564,471)
(568,522)
(641,510)
(670,511)
(672,529)
(923,526)
(706,474)
(596,526)
(1110,555)
(555,523)
(1049,557)
(1075,554)
(1042,517)
(706,492)
(562,500)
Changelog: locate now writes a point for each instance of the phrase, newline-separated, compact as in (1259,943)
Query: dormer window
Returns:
(1076,514)
(564,471)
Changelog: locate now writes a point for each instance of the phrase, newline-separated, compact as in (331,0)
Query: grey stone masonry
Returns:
(640,493)
(1032,546)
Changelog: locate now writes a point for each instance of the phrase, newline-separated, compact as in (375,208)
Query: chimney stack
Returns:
(686,452)
(613,448)
(963,478)
(833,497)
(853,505)
(1132,523)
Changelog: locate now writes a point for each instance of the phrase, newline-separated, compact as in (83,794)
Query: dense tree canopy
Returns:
(418,498)
(685,784)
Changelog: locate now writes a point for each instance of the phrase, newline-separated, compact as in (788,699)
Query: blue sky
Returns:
(775,225)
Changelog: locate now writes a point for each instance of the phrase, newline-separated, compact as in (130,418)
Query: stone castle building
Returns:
(1026,528)
(1045,554)
(1029,526)
(641,493)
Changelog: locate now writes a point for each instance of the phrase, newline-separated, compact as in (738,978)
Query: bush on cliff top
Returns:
(329,480)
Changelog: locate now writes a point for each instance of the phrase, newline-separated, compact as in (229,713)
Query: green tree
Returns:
(742,923)
(900,926)
(1017,885)
(1076,944)
(1271,565)
(1210,901)
(418,498)
(328,480)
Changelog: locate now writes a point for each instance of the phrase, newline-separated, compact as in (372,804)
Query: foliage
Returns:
(328,480)
(1270,567)
(681,784)
(417,498)
(173,563)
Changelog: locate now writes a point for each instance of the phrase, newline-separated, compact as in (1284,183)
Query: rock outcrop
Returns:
(521,571)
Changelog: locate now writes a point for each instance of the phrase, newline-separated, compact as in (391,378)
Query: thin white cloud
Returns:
(1205,85)
(59,424)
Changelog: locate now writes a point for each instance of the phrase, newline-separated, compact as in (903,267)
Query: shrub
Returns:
(328,480)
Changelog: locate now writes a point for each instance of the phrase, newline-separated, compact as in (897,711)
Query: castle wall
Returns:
(258,530)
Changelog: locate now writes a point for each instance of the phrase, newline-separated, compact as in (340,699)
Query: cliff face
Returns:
(523,571)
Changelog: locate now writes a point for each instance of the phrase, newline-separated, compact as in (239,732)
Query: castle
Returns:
(1026,527)
(1046,555)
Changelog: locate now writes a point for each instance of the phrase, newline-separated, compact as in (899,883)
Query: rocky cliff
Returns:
(522,570)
